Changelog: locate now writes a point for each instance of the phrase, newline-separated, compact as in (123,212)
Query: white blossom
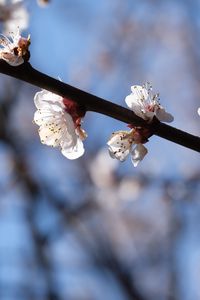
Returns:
(43,3)
(138,153)
(198,111)
(146,105)
(14,50)
(122,143)
(13,14)
(56,126)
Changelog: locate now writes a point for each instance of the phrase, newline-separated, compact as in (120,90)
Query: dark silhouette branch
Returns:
(28,74)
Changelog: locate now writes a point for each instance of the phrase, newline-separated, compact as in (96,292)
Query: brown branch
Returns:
(28,74)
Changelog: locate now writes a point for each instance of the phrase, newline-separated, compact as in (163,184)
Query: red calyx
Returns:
(141,134)
(76,111)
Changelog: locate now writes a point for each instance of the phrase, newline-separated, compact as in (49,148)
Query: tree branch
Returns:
(28,74)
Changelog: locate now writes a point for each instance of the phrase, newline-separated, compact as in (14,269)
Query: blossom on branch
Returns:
(59,121)
(15,51)
(121,144)
(13,14)
(146,105)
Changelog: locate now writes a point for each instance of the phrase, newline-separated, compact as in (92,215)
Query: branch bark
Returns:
(27,73)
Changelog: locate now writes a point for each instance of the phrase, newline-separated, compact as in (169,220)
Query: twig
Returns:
(28,74)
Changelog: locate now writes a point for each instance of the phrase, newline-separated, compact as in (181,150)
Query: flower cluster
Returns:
(13,14)
(59,121)
(146,105)
(121,144)
(15,51)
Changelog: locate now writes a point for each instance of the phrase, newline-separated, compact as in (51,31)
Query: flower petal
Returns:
(49,114)
(139,92)
(163,116)
(48,137)
(11,59)
(43,97)
(138,153)
(136,101)
(75,151)
(135,105)
(120,144)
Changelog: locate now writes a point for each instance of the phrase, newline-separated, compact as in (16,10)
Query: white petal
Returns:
(120,144)
(50,136)
(75,151)
(134,105)
(43,97)
(49,114)
(138,153)
(148,115)
(71,145)
(5,42)
(11,59)
(139,92)
(163,116)
(47,138)
(118,154)
(70,133)
(136,100)
(56,128)
(198,111)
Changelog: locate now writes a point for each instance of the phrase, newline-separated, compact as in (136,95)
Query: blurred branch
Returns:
(94,242)
(27,73)
(33,192)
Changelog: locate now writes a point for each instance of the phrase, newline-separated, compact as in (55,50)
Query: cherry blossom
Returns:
(123,143)
(59,121)
(13,14)
(14,50)
(43,3)
(146,105)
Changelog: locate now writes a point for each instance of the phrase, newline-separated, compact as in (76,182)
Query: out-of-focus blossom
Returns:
(14,50)
(13,14)
(198,111)
(43,3)
(60,123)
(129,189)
(121,144)
(146,105)
(105,177)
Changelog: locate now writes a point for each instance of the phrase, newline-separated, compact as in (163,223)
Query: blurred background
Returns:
(94,228)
